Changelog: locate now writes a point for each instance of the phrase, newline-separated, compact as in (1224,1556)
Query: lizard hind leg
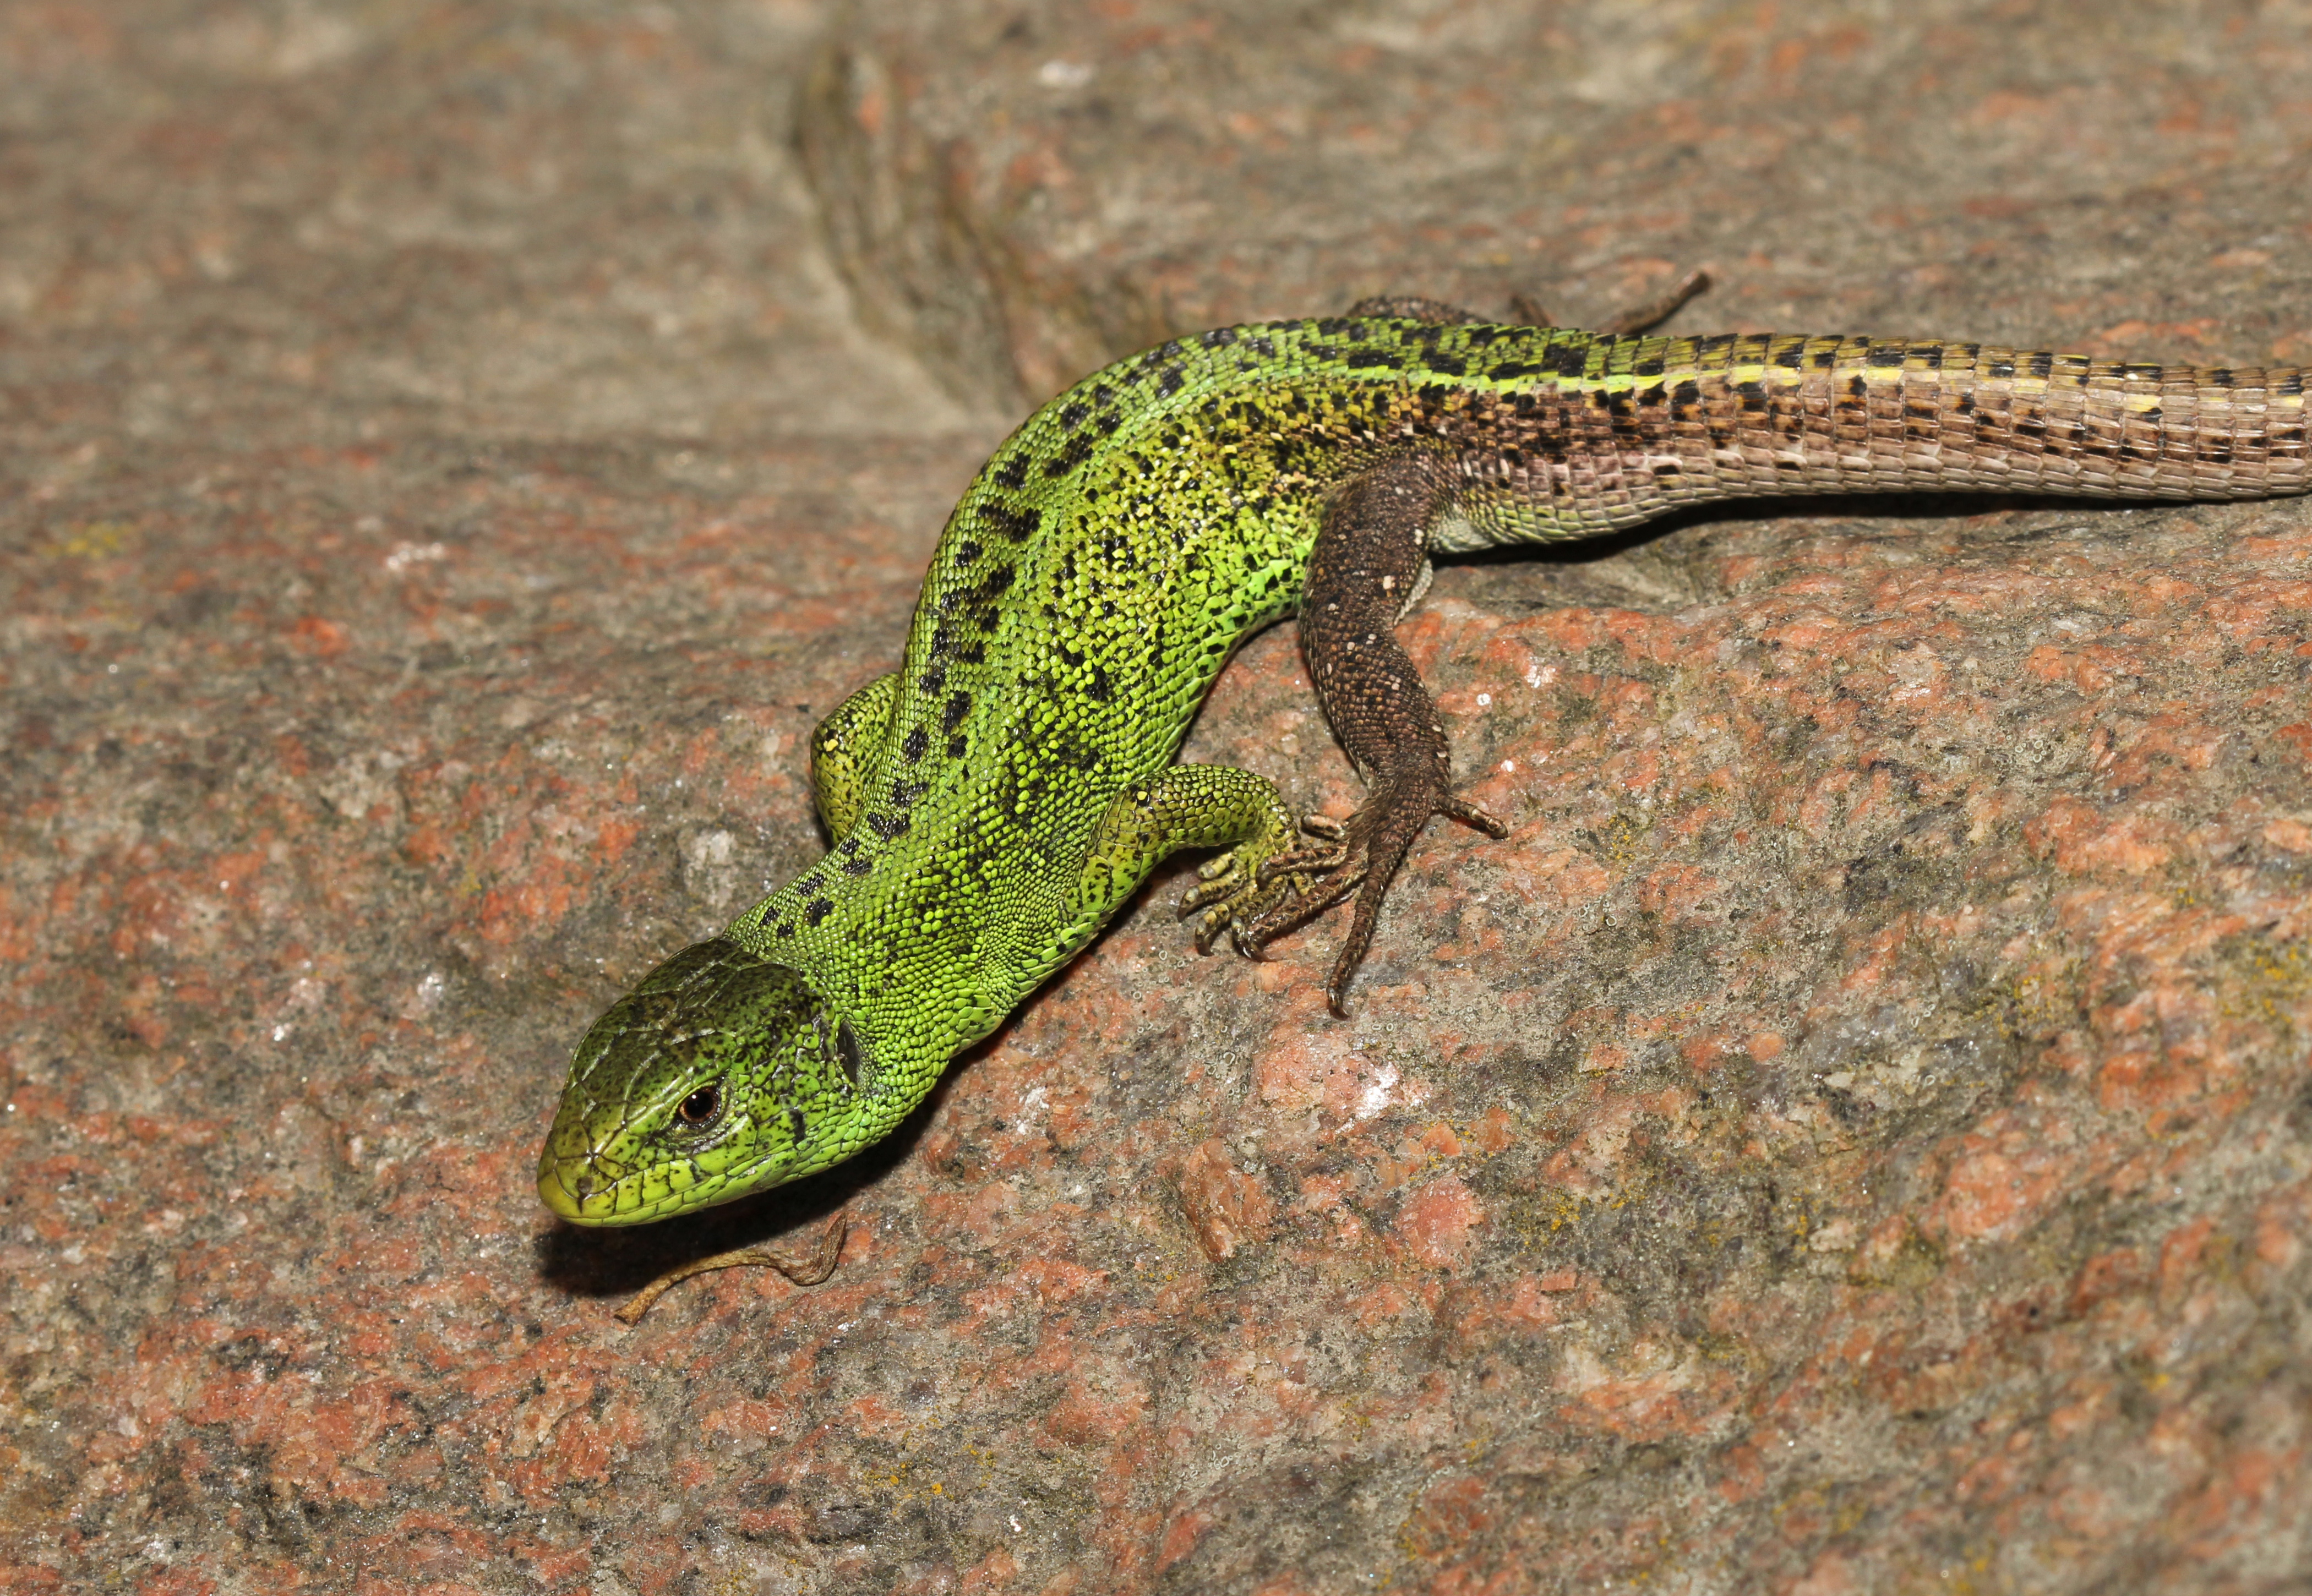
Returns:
(1526,310)
(1412,307)
(1368,557)
(1641,317)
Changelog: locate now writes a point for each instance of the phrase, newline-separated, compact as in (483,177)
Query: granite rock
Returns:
(1856,1134)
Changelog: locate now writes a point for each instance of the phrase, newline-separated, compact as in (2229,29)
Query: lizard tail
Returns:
(1653,423)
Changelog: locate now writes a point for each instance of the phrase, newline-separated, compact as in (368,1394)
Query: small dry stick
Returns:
(806,1269)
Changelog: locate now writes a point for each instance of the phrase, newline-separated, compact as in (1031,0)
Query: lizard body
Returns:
(993,801)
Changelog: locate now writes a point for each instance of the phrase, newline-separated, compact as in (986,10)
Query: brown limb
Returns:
(1412,307)
(1638,318)
(1654,312)
(1369,560)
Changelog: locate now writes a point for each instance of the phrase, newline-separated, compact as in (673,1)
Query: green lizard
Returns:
(995,799)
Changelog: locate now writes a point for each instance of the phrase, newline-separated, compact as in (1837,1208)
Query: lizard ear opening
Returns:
(842,1050)
(846,1050)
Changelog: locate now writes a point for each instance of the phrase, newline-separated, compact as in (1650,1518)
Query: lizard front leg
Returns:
(843,750)
(1369,565)
(1186,805)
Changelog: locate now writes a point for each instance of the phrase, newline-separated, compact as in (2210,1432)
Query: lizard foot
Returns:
(1362,859)
(1241,884)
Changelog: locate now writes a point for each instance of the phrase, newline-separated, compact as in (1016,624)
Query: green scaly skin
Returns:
(996,799)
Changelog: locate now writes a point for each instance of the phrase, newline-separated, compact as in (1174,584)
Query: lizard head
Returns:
(719,1074)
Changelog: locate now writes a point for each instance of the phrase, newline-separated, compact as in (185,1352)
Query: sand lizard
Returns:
(1003,793)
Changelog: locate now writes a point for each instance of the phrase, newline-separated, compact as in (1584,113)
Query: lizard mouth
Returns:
(590,1186)
(587,1188)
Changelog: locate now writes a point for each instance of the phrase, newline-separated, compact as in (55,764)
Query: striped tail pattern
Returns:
(1632,426)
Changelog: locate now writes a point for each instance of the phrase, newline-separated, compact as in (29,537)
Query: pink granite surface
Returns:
(1856,1134)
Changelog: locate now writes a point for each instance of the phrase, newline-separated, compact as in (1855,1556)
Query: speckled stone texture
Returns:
(1855,1135)
(1025,190)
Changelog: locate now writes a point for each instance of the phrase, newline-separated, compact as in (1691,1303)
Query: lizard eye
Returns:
(702,1105)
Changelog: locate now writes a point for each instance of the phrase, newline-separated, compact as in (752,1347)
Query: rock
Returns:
(1854,1134)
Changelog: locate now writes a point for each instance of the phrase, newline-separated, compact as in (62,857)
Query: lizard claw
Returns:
(1471,816)
(1244,886)
(1209,928)
(1215,886)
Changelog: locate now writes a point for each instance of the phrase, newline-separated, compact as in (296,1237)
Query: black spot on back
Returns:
(1004,521)
(1078,451)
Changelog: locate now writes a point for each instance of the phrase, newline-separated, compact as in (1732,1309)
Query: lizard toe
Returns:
(1470,815)
(1299,907)
(1219,887)
(1301,861)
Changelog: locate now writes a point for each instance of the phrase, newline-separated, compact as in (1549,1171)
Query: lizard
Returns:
(993,802)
